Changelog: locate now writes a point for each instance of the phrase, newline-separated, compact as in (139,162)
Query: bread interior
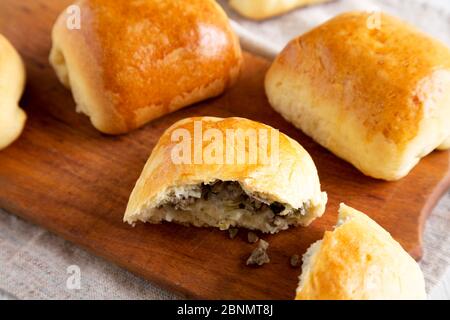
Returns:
(225,204)
(308,262)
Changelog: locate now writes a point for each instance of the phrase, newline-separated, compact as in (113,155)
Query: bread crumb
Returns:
(233,232)
(259,256)
(295,261)
(252,237)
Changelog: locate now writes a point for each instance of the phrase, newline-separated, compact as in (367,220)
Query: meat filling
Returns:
(225,204)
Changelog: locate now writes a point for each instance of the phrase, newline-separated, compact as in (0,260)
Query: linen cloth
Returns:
(34,263)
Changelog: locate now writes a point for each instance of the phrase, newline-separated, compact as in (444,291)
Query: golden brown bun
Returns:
(12,82)
(359,260)
(292,180)
(263,9)
(378,98)
(134,61)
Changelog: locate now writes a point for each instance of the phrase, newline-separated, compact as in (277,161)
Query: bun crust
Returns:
(378,98)
(359,260)
(263,9)
(12,82)
(134,61)
(292,180)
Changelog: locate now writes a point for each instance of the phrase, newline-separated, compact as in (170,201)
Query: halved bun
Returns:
(359,260)
(265,196)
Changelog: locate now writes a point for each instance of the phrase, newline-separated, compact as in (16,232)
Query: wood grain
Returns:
(64,175)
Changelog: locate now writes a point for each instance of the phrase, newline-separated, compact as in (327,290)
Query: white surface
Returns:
(33,262)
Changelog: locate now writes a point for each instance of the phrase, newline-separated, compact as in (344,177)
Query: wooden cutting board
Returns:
(65,176)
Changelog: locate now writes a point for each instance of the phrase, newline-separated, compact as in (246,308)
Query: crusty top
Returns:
(290,179)
(360,260)
(377,74)
(147,53)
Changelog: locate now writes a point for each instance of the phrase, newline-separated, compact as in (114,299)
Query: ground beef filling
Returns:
(230,196)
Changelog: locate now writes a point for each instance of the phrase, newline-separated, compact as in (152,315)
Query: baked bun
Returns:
(263,9)
(378,97)
(12,82)
(359,260)
(134,61)
(233,190)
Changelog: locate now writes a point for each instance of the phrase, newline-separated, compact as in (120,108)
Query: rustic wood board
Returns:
(64,175)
